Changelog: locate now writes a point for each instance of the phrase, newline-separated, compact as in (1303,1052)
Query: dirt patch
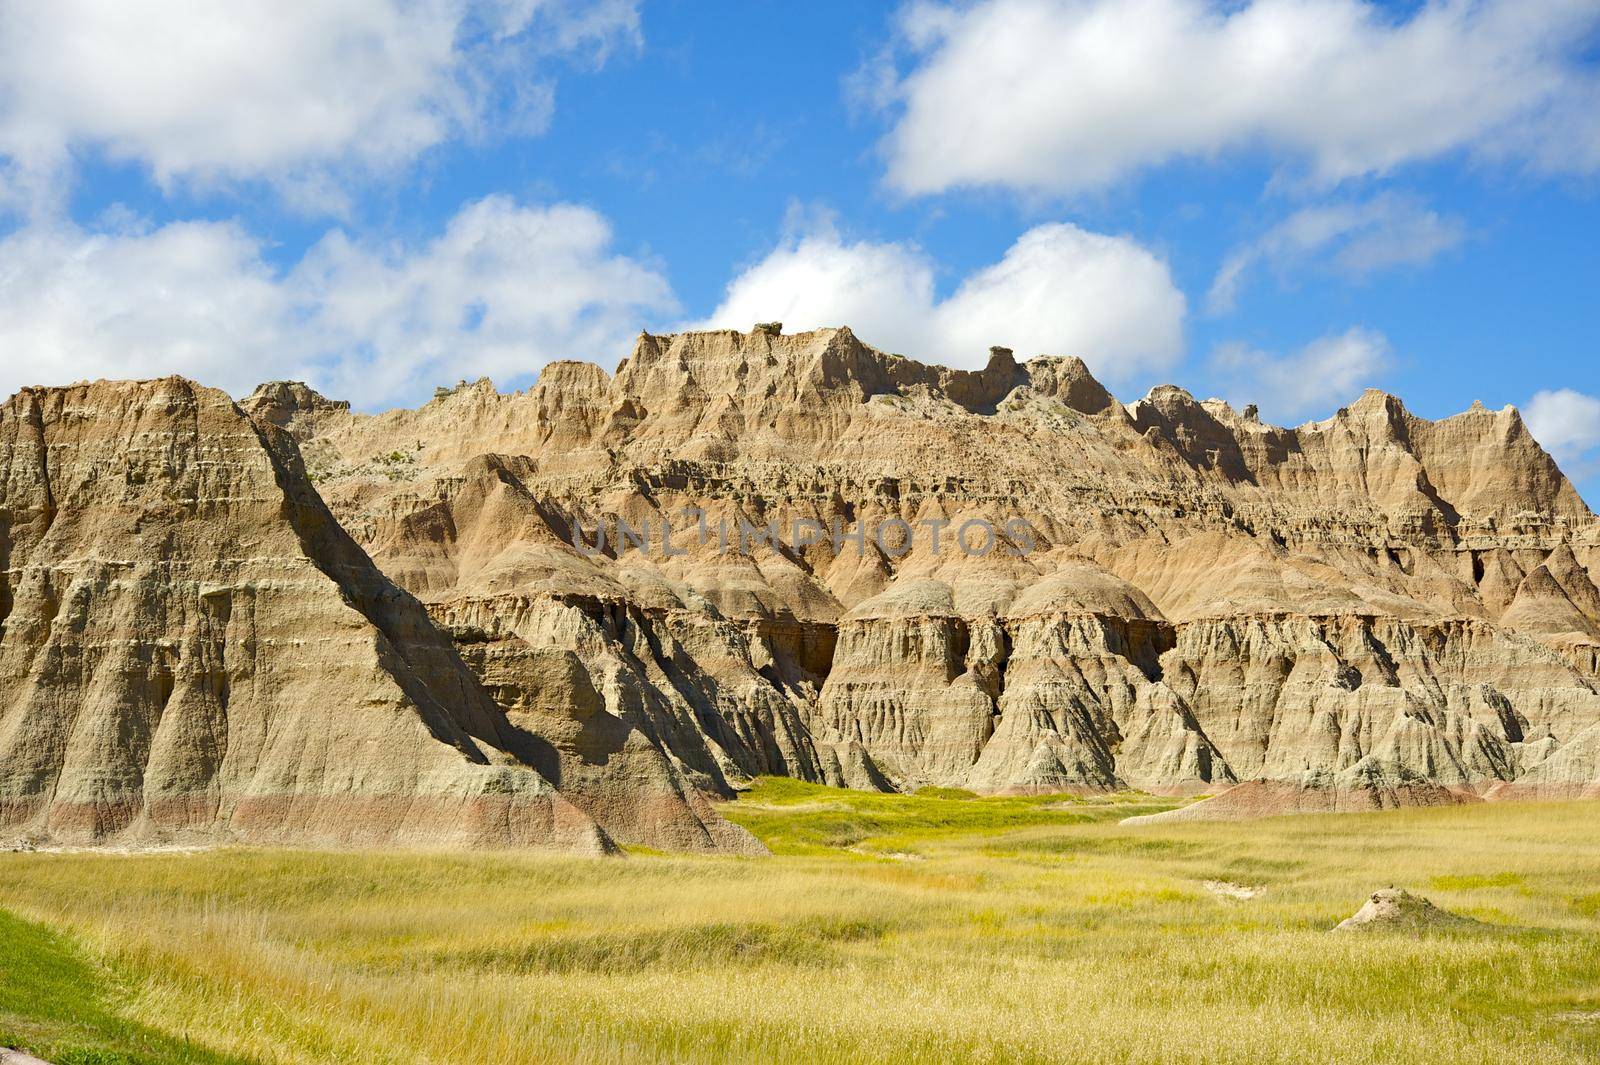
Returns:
(893,856)
(17,1057)
(1227,889)
(1397,910)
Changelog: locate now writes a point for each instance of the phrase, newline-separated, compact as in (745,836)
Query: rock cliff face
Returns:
(1366,611)
(193,649)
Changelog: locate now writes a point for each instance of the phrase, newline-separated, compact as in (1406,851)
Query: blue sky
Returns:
(1278,201)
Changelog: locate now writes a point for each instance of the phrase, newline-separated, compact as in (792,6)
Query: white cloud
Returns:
(1567,424)
(296,94)
(192,298)
(503,290)
(1355,239)
(1314,380)
(1062,96)
(1057,290)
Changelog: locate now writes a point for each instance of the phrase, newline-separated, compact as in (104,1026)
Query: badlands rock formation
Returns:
(1362,612)
(192,647)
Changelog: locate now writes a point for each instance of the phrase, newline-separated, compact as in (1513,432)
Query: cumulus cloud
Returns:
(1567,424)
(1063,96)
(504,289)
(299,95)
(1316,379)
(192,297)
(1355,239)
(1057,290)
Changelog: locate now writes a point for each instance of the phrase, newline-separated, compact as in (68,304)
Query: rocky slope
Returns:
(1371,610)
(191,648)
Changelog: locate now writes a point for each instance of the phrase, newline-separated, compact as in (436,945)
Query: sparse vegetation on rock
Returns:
(1397,910)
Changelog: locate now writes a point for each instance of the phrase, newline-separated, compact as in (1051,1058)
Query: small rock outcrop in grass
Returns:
(1397,910)
(17,1057)
(1227,889)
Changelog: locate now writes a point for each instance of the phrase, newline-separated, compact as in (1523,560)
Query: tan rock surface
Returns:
(1369,610)
(194,650)
(1397,910)
(1363,611)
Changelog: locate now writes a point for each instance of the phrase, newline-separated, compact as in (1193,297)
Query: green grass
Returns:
(57,1003)
(1477,880)
(927,928)
(796,818)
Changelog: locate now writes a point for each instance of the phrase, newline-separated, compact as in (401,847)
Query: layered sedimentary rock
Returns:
(743,553)
(192,649)
(1375,607)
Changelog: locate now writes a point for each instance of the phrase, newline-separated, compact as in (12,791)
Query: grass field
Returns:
(923,928)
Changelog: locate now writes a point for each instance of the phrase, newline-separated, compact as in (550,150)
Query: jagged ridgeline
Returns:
(280,620)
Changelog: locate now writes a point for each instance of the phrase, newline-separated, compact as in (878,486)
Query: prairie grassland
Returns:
(923,928)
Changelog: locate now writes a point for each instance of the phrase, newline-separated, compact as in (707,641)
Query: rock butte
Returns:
(283,621)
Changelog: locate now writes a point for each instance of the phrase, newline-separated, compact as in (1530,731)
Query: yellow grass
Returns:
(931,929)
